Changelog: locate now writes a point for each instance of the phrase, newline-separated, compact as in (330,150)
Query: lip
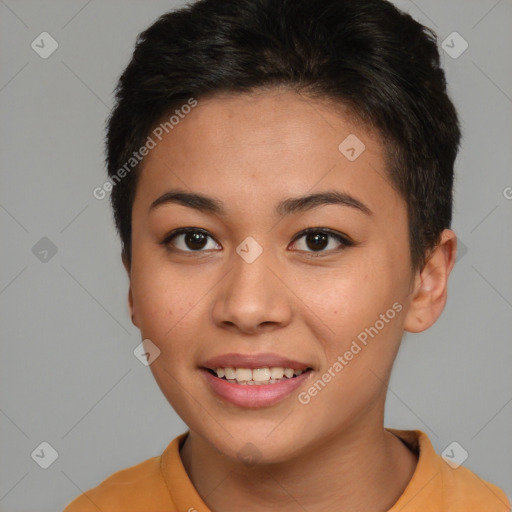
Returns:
(256,396)
(253,361)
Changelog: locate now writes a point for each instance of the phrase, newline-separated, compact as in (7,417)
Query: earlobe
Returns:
(431,285)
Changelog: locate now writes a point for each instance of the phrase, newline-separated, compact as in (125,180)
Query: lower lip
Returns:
(254,396)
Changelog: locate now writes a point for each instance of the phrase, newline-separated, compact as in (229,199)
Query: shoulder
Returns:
(465,488)
(130,489)
(442,484)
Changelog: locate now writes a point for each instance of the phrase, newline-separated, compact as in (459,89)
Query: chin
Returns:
(257,443)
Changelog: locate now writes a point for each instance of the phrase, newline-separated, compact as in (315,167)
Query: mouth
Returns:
(253,381)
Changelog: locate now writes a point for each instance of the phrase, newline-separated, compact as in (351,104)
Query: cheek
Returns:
(164,302)
(361,305)
(348,298)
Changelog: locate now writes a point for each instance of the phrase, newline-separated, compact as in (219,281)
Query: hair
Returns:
(369,57)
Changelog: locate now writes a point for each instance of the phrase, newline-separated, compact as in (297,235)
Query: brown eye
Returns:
(321,240)
(190,240)
(317,241)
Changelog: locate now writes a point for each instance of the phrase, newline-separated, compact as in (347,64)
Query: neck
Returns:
(362,468)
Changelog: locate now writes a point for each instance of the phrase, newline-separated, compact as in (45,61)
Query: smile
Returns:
(256,376)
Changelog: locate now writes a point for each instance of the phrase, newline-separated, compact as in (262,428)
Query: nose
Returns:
(253,296)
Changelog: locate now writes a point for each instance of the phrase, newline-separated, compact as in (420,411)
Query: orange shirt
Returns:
(160,484)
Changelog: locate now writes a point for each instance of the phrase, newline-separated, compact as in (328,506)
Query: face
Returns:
(247,287)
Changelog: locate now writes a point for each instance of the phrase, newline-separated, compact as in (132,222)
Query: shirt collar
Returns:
(423,487)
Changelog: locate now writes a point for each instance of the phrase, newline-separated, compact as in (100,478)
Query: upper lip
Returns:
(252,361)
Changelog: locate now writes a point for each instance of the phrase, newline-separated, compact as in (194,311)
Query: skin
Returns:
(250,152)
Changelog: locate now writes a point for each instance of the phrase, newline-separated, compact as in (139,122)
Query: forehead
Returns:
(251,149)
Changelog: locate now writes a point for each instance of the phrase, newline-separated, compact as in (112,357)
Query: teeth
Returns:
(257,376)
(243,374)
(229,373)
(276,373)
(260,374)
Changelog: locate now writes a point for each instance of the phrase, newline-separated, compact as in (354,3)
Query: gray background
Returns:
(68,374)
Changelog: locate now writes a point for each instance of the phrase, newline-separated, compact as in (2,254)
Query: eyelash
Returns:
(344,241)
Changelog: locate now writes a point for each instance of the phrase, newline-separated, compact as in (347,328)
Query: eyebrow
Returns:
(288,206)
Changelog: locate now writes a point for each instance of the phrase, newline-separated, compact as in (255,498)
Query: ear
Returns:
(127,266)
(431,285)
